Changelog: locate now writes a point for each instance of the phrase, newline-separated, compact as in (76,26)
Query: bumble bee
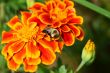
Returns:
(52,32)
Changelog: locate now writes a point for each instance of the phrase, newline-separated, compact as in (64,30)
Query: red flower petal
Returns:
(49,5)
(29,68)
(47,37)
(75,30)
(32,50)
(17,26)
(76,20)
(19,56)
(37,6)
(69,3)
(68,38)
(61,5)
(45,18)
(13,21)
(71,11)
(60,44)
(55,46)
(8,37)
(15,47)
(33,61)
(56,24)
(36,20)
(81,36)
(5,49)
(47,55)
(8,57)
(65,28)
(25,16)
(50,44)
(44,43)
(12,65)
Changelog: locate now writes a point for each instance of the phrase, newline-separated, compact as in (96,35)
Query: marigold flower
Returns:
(60,15)
(27,45)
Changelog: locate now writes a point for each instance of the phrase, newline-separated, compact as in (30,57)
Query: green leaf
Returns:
(62,69)
(52,71)
(71,71)
(42,69)
(94,7)
(59,62)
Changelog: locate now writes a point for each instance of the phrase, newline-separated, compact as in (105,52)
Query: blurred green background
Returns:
(96,27)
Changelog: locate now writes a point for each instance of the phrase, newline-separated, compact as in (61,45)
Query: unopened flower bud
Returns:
(88,53)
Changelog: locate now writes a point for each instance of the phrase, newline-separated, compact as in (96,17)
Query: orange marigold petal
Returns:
(25,16)
(8,37)
(68,3)
(44,43)
(41,35)
(81,36)
(33,61)
(71,11)
(13,21)
(47,37)
(45,18)
(15,47)
(60,44)
(29,68)
(49,5)
(75,30)
(5,49)
(76,20)
(19,56)
(47,55)
(12,65)
(37,6)
(50,44)
(61,5)
(36,20)
(17,26)
(65,28)
(32,50)
(8,57)
(33,25)
(68,38)
(56,24)
(54,45)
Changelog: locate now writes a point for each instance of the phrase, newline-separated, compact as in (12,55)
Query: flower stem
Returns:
(80,66)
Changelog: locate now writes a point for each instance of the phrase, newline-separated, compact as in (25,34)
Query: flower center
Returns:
(27,33)
(58,14)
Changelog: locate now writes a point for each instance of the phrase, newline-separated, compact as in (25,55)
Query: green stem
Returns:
(80,66)
(94,7)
